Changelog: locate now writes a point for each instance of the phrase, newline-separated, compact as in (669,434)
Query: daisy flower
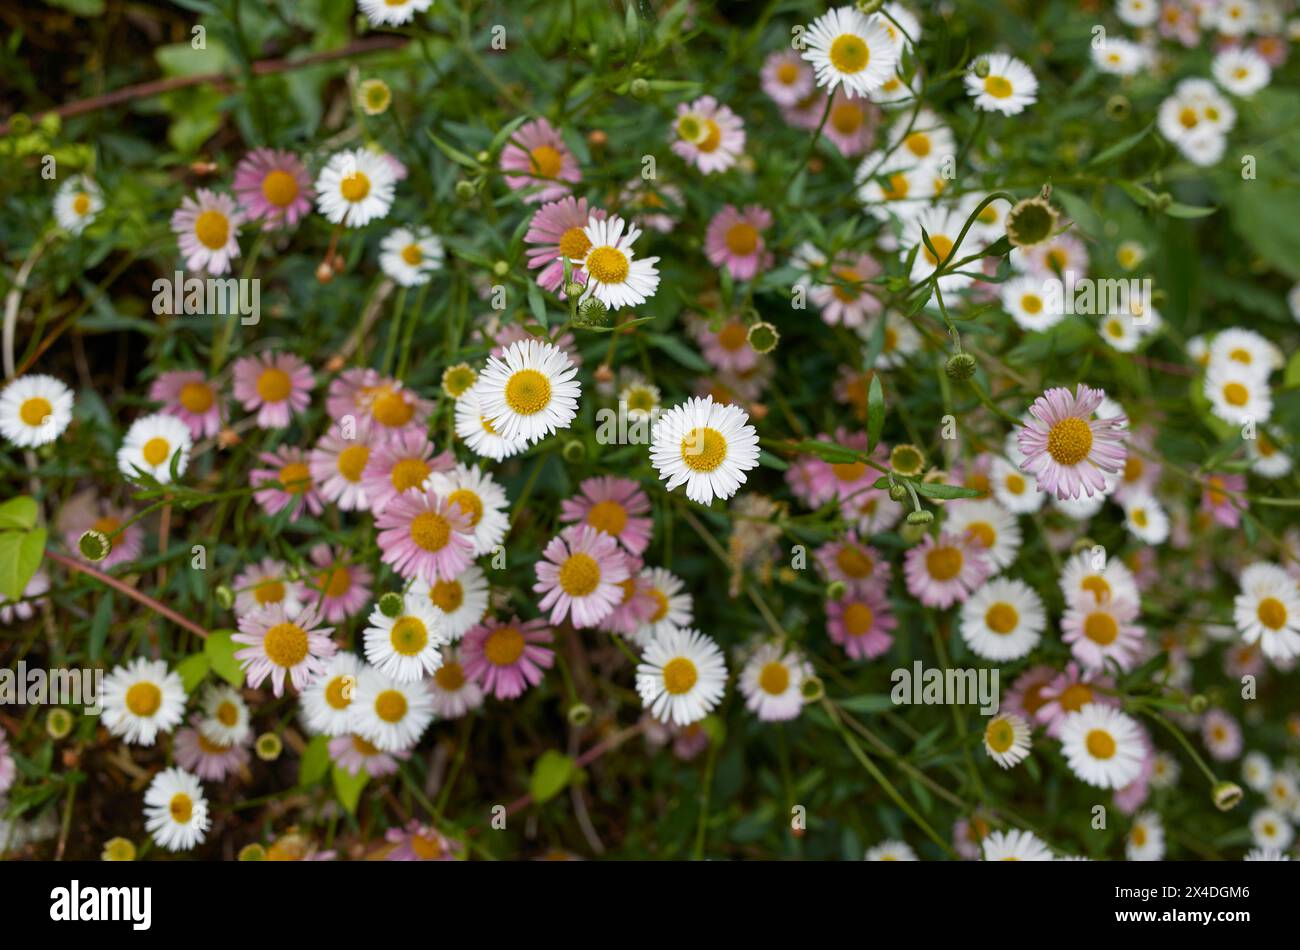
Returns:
(556,233)
(175,811)
(1003,620)
(336,467)
(77,203)
(1013,489)
(727,348)
(355,755)
(1267,611)
(327,700)
(849,49)
(460,602)
(1221,735)
(1267,459)
(891,851)
(187,395)
(1271,830)
(482,501)
(848,298)
(1006,740)
(406,647)
(651,204)
(615,275)
(85,513)
(1014,845)
(735,240)
(1119,57)
(849,560)
(537,160)
(422,534)
(706,446)
(386,407)
(1008,86)
(1234,17)
(207,229)
(274,187)
(709,135)
(266,584)
(1146,839)
(681,677)
(1248,348)
(392,12)
(152,445)
(34,410)
(637,603)
(207,758)
(1102,746)
(225,715)
(1085,584)
(417,842)
(1103,631)
(942,227)
(390,715)
(945,570)
(402,465)
(1237,394)
(989,524)
(288,482)
(1256,771)
(772,682)
(580,575)
(861,621)
(454,693)
(786,77)
(1025,299)
(615,506)
(478,432)
(851,125)
(1241,71)
(280,647)
(277,385)
(674,606)
(1145,519)
(1069,691)
(355,187)
(142,699)
(1066,450)
(530,392)
(409,256)
(506,658)
(1137,12)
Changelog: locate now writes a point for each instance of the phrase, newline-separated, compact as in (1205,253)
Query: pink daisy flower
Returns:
(349,391)
(853,562)
(786,77)
(277,385)
(401,466)
(207,230)
(353,754)
(650,204)
(1221,734)
(1025,697)
(417,842)
(514,332)
(288,480)
(273,186)
(848,297)
(187,394)
(337,465)
(806,114)
(84,513)
(851,126)
(283,648)
(1068,692)
(266,584)
(871,510)
(861,622)
(341,589)
(709,135)
(506,658)
(846,480)
(425,536)
(580,574)
(944,571)
(616,506)
(728,348)
(1217,501)
(380,405)
(638,605)
(536,158)
(1066,450)
(1097,632)
(555,233)
(735,240)
(454,692)
(209,760)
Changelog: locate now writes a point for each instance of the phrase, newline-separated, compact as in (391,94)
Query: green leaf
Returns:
(18,513)
(551,773)
(1120,147)
(679,351)
(537,304)
(455,154)
(1291,378)
(315,761)
(771,461)
(1177,209)
(829,451)
(348,787)
(866,704)
(99,625)
(220,651)
(20,556)
(1079,211)
(875,412)
(192,670)
(933,490)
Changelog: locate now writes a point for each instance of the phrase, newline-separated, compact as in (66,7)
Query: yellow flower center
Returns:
(470,504)
(279,188)
(295,477)
(787,73)
(338,691)
(390,706)
(1101,745)
(579,575)
(156,451)
(1139,835)
(661,600)
(364,747)
(1272,613)
(409,473)
(528,392)
(1235,394)
(1096,585)
(273,385)
(733,336)
(704,449)
(1000,736)
(1075,696)
(35,411)
(409,636)
(1188,118)
(392,408)
(1002,618)
(352,462)
(504,646)
(212,228)
(943,563)
(227,713)
(849,53)
(1031,303)
(679,675)
(608,265)
(1100,628)
(268,592)
(181,808)
(847,118)
(774,678)
(1069,441)
(858,619)
(143,699)
(430,530)
(286,644)
(354,187)
(919,144)
(1015,484)
(998,87)
(982,533)
(942,245)
(854,563)
(196,397)
(545,161)
(608,516)
(574,244)
(412,255)
(450,676)
(447,596)
(81,204)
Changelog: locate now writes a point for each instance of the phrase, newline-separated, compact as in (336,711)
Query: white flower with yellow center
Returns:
(615,275)
(1015,490)
(76,203)
(1237,394)
(406,647)
(530,392)
(142,699)
(390,715)
(355,187)
(1267,459)
(1267,611)
(1103,746)
(1271,829)
(891,851)
(34,410)
(674,606)
(847,48)
(1145,518)
(942,227)
(1241,71)
(1138,12)
(1028,302)
(1234,17)
(150,445)
(1003,620)
(1146,839)
(1118,56)
(1007,86)
(392,12)
(681,677)
(460,602)
(478,432)
(992,526)
(1006,740)
(772,682)
(706,446)
(327,702)
(640,398)
(1247,349)
(410,256)
(175,811)
(225,716)
(480,498)
(1014,845)
(1091,578)
(1256,771)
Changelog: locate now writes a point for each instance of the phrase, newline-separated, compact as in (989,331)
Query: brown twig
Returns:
(128,590)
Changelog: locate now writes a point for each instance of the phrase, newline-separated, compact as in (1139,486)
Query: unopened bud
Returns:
(390,604)
(960,366)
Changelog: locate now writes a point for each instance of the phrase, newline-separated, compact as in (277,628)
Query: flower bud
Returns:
(1226,795)
(960,366)
(268,747)
(465,189)
(763,337)
(574,451)
(58,723)
(579,714)
(94,545)
(390,604)
(835,590)
(118,849)
(921,516)
(639,88)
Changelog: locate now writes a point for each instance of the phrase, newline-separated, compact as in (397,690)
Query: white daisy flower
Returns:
(1145,519)
(355,187)
(1003,620)
(142,699)
(1138,12)
(1267,611)
(1006,740)
(1203,147)
(641,398)
(1271,829)
(1119,56)
(1236,17)
(943,227)
(1146,839)
(1241,71)
(478,432)
(705,445)
(1266,458)
(225,716)
(899,340)
(530,392)
(150,445)
(1247,349)
(1103,746)
(992,526)
(1196,117)
(1014,490)
(926,141)
(1026,300)
(175,811)
(1256,771)
(1237,395)
(772,682)
(390,715)
(891,850)
(1165,770)
(615,276)
(454,694)
(1081,509)
(406,647)
(1283,793)
(1265,854)
(480,498)
(681,677)
(327,702)
(207,231)
(1085,584)
(1014,845)
(392,12)
(1009,86)
(902,193)
(847,48)
(35,410)
(76,203)
(460,602)
(410,257)
(675,608)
